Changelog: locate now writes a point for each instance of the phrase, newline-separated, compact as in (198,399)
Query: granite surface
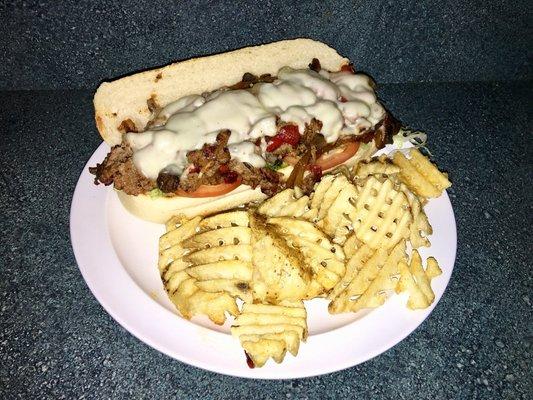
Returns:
(56,341)
(77,44)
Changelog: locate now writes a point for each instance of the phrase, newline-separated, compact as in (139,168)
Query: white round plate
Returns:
(117,255)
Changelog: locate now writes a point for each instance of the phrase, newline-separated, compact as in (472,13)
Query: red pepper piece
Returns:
(287,134)
(274,143)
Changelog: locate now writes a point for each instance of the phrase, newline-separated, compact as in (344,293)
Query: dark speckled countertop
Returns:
(56,341)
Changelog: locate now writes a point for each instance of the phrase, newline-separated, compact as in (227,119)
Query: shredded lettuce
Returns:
(155,193)
(278,164)
(407,135)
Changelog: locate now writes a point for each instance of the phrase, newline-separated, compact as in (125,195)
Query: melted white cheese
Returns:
(247,152)
(345,103)
(281,95)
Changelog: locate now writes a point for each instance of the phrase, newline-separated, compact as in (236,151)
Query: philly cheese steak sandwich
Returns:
(213,133)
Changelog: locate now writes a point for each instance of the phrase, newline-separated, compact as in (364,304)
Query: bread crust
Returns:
(161,209)
(126,98)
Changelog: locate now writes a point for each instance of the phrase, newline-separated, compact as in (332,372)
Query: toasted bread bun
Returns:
(127,99)
(161,209)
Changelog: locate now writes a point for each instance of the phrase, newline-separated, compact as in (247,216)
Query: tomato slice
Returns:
(336,157)
(211,190)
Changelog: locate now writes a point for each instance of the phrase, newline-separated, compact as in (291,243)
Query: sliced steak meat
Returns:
(388,127)
(167,182)
(248,80)
(269,181)
(312,130)
(191,181)
(250,175)
(283,150)
(267,78)
(210,164)
(382,133)
(118,169)
(211,156)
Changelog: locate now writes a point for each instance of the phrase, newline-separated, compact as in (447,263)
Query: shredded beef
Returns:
(268,180)
(312,129)
(382,133)
(118,169)
(267,78)
(283,150)
(209,164)
(248,173)
(311,138)
(388,127)
(190,182)
(167,182)
(211,154)
(248,80)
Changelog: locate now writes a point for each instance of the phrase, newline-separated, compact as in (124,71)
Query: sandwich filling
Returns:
(206,145)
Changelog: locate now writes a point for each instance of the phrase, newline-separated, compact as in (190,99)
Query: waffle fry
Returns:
(288,203)
(346,242)
(417,281)
(420,175)
(325,259)
(191,301)
(225,220)
(379,166)
(182,288)
(382,216)
(420,228)
(279,272)
(219,237)
(326,191)
(353,266)
(337,221)
(370,276)
(219,256)
(334,200)
(351,245)
(269,331)
(381,286)
(170,243)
